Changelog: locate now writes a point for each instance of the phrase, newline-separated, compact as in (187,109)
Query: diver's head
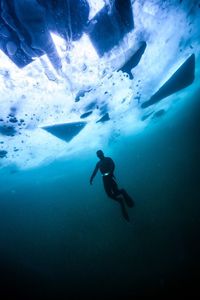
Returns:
(100,154)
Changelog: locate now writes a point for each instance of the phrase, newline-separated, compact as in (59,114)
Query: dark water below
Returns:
(61,238)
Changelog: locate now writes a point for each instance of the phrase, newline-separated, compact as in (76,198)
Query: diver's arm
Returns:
(94,173)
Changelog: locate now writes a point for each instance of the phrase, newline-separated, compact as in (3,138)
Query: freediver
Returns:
(106,166)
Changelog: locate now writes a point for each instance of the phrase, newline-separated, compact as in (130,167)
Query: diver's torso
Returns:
(106,165)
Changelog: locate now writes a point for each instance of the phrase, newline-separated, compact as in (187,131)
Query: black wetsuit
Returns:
(106,167)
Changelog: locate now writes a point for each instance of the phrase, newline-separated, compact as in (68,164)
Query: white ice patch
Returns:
(95,6)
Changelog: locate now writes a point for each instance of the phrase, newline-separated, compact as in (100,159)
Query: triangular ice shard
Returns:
(66,131)
(183,77)
(134,60)
(104,118)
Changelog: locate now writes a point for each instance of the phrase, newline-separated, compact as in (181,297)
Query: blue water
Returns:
(62,238)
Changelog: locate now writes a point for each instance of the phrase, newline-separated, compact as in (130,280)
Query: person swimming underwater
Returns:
(107,166)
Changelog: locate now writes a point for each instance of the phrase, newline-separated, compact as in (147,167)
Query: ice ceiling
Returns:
(77,74)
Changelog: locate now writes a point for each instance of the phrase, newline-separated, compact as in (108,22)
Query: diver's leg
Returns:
(112,191)
(129,201)
(115,188)
(123,209)
(108,188)
(116,191)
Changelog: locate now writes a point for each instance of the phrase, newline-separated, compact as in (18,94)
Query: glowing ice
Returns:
(40,96)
